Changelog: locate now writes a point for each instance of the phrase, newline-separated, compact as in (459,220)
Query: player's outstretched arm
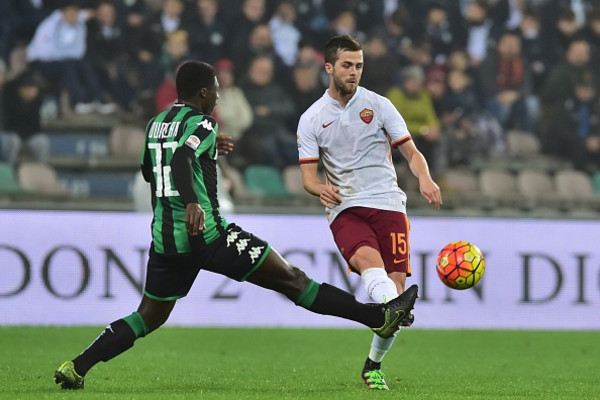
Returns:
(329,195)
(418,165)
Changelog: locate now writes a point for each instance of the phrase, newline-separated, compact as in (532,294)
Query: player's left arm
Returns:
(418,165)
(199,136)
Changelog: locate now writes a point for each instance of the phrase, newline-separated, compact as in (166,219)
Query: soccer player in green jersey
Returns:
(189,234)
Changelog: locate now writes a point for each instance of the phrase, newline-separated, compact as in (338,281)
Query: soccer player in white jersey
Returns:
(352,131)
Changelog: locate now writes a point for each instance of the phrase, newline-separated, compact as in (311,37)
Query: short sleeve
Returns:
(199,133)
(308,149)
(394,124)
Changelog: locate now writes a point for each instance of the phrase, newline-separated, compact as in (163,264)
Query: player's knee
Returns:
(298,282)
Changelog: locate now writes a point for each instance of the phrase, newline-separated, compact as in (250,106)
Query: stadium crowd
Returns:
(462,73)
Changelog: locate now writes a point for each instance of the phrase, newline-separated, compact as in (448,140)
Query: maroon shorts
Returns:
(385,231)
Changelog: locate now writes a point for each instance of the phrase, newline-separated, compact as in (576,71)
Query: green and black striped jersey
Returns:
(181,126)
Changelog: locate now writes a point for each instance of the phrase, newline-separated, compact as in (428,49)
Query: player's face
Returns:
(346,71)
(211,97)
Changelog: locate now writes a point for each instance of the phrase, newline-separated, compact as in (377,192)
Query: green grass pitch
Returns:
(243,363)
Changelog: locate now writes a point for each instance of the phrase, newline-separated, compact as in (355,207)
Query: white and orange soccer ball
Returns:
(460,265)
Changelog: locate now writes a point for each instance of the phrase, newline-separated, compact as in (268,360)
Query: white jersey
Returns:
(354,144)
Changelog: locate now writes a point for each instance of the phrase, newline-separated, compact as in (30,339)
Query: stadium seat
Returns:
(522,144)
(460,189)
(462,181)
(126,141)
(264,180)
(538,189)
(574,185)
(40,178)
(8,181)
(499,187)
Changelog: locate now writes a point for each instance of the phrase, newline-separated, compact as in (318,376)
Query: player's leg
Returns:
(118,337)
(168,279)
(242,256)
(367,236)
(277,274)
(393,238)
(381,289)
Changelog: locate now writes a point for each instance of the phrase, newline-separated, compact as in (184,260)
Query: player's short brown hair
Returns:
(340,43)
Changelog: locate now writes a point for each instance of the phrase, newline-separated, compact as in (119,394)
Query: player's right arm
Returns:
(312,184)
(308,153)
(418,165)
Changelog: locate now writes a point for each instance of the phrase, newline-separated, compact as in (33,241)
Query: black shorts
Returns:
(236,254)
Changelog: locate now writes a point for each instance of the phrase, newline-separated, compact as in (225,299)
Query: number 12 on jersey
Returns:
(162,172)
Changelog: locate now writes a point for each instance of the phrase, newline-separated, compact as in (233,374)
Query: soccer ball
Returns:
(460,265)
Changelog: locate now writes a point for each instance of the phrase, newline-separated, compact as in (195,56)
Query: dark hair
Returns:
(340,43)
(193,76)
(62,4)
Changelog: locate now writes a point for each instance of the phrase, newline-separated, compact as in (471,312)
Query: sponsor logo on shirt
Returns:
(326,125)
(366,115)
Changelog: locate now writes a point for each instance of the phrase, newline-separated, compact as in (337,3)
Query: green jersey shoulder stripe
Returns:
(182,126)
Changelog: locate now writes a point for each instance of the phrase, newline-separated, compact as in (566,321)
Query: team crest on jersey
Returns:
(366,115)
(193,141)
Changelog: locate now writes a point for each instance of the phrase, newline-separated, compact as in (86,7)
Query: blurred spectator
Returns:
(516,11)
(470,133)
(418,52)
(435,84)
(207,31)
(174,53)
(312,20)
(479,30)
(6,31)
(536,49)
(286,37)
(234,115)
(441,33)
(9,142)
(268,141)
(233,111)
(367,13)
(395,34)
(260,43)
(107,53)
(504,79)
(382,66)
(461,98)
(592,34)
(459,59)
(57,52)
(567,29)
(131,17)
(28,14)
(306,89)
(416,106)
(151,43)
(22,116)
(560,83)
(343,23)
(573,130)
(253,13)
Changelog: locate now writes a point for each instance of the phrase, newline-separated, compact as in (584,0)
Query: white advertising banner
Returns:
(88,268)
